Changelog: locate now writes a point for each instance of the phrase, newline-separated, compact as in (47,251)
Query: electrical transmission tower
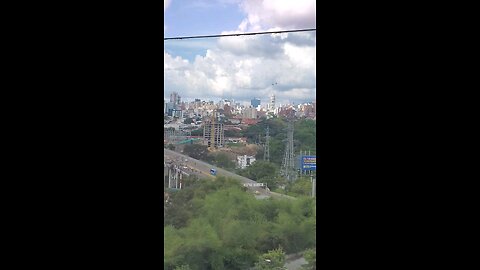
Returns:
(288,167)
(266,154)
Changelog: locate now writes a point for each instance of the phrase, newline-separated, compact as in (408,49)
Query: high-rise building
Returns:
(177,113)
(250,113)
(217,139)
(272,102)
(255,102)
(175,98)
(169,107)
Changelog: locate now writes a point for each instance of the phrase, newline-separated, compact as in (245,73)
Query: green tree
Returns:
(197,132)
(223,160)
(183,267)
(277,148)
(216,225)
(172,252)
(180,210)
(232,133)
(305,135)
(311,258)
(188,121)
(301,187)
(201,246)
(259,169)
(197,151)
(260,153)
(272,181)
(272,260)
(190,180)
(276,128)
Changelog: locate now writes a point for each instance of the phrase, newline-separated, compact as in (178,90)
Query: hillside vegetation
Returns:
(217,225)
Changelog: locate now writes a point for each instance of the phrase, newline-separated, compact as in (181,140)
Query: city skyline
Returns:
(264,100)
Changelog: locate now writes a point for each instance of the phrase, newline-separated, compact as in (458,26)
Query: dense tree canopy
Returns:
(259,169)
(222,160)
(216,225)
(305,135)
(311,258)
(272,260)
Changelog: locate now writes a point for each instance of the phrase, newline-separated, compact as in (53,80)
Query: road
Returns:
(204,168)
(295,261)
(296,264)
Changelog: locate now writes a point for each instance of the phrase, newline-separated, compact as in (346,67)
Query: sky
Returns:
(244,67)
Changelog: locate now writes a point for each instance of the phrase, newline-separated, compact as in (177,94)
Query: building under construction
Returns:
(213,132)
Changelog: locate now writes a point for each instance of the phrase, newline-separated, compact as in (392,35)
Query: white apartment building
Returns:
(245,161)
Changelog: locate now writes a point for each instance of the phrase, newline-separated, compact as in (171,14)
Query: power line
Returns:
(242,34)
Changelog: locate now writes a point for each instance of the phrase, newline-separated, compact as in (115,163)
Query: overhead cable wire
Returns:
(242,34)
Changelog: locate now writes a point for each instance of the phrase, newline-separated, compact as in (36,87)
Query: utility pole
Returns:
(292,153)
(301,167)
(266,154)
(314,184)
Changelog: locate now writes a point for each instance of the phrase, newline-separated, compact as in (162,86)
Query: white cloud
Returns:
(235,69)
(166,3)
(283,14)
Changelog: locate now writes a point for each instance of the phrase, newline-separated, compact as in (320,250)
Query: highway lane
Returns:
(204,168)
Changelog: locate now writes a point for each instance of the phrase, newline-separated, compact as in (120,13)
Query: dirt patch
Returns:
(232,156)
(249,150)
(252,149)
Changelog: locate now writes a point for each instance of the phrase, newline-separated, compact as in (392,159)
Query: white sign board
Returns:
(254,185)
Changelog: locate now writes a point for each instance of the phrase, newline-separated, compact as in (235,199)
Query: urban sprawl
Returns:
(213,124)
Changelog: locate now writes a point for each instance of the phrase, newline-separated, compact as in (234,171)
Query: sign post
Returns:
(254,185)
(308,163)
